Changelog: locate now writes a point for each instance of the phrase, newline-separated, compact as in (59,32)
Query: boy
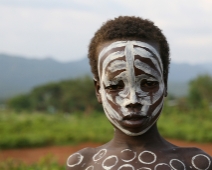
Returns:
(129,58)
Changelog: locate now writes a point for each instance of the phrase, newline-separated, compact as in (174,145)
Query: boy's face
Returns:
(131,85)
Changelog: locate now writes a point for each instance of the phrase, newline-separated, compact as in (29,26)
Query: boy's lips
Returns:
(134,116)
(134,120)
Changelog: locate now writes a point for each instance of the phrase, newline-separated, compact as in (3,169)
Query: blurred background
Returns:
(46,90)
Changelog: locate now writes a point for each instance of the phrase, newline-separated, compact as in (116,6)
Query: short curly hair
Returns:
(124,27)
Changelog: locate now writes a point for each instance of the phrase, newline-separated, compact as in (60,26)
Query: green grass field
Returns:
(39,129)
(20,130)
(46,163)
(193,125)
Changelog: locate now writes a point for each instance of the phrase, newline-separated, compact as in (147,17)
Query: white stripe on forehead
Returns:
(117,65)
(146,68)
(118,44)
(129,55)
(151,48)
(111,46)
(108,59)
(146,54)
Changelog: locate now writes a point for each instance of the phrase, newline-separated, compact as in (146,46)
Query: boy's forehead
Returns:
(108,47)
(105,44)
(115,50)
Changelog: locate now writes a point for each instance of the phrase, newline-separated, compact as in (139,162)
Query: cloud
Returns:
(41,32)
(62,29)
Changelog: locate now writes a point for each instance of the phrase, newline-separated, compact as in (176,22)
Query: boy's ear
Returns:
(97,88)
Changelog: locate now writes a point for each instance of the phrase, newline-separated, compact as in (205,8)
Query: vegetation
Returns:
(200,92)
(189,125)
(46,163)
(39,129)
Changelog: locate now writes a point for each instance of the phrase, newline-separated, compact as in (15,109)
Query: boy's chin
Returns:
(132,131)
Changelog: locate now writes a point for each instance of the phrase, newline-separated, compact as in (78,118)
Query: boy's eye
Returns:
(149,84)
(118,86)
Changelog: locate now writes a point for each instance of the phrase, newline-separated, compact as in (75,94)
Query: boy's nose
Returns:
(133,96)
(134,107)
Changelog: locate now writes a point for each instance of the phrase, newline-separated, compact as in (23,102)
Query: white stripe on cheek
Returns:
(119,101)
(157,109)
(144,110)
(110,112)
(145,96)
(109,97)
(159,93)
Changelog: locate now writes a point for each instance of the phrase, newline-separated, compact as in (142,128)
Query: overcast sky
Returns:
(62,29)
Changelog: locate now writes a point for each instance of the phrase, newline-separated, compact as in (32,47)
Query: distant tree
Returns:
(46,96)
(79,95)
(66,96)
(200,91)
(20,102)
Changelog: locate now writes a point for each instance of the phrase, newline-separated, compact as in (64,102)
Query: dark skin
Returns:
(146,151)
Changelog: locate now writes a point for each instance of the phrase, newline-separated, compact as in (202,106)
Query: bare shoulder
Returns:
(196,158)
(80,159)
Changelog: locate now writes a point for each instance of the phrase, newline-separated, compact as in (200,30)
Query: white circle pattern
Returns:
(177,161)
(99,155)
(194,157)
(161,164)
(126,165)
(139,157)
(129,159)
(110,157)
(90,168)
(79,157)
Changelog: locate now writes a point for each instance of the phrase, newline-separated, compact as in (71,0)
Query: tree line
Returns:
(65,96)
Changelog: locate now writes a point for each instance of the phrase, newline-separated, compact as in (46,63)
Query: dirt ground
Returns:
(61,153)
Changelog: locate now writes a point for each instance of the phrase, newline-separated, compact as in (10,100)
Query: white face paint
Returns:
(131,75)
